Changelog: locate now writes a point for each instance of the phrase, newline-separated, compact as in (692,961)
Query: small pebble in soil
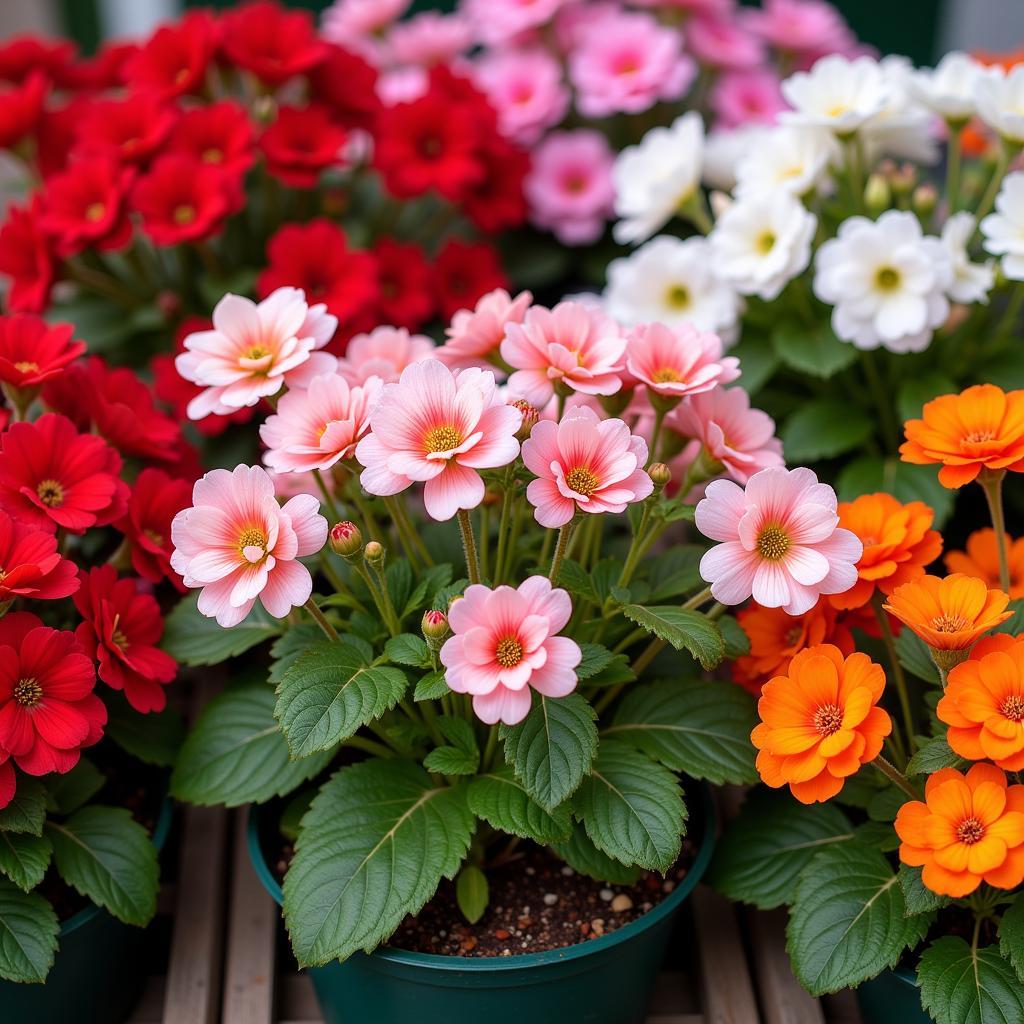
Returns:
(622,902)
(606,895)
(550,899)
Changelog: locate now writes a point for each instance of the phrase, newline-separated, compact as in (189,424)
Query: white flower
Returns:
(903,129)
(762,242)
(886,281)
(971,281)
(1004,229)
(723,151)
(789,158)
(837,93)
(948,88)
(671,280)
(655,178)
(999,97)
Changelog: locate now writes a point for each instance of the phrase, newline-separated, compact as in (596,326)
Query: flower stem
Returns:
(635,549)
(897,669)
(328,498)
(321,620)
(953,162)
(659,419)
(875,383)
(697,600)
(368,746)
(503,527)
(564,534)
(487,761)
(380,599)
(992,484)
(896,777)
(469,546)
(1006,153)
(395,508)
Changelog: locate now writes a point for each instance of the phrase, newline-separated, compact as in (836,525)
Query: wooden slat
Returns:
(728,995)
(252,930)
(783,1001)
(842,1008)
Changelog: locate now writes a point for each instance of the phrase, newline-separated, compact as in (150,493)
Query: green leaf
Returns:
(1011,935)
(398,577)
(374,846)
(737,643)
(432,686)
(595,659)
(918,897)
(961,986)
(236,753)
(759,858)
(193,639)
(451,761)
(914,657)
(472,893)
(72,789)
(24,858)
(459,733)
(824,428)
(758,361)
(815,350)
(287,649)
(849,919)
(902,480)
(408,649)
(499,798)
(685,630)
(935,754)
(291,816)
(154,738)
(632,808)
(583,856)
(329,693)
(886,803)
(618,670)
(1015,624)
(551,749)
(27,810)
(675,510)
(574,578)
(691,725)
(105,854)
(674,573)
(919,389)
(28,935)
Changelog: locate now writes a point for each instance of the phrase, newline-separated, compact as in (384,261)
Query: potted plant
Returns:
(86,735)
(484,682)
(903,876)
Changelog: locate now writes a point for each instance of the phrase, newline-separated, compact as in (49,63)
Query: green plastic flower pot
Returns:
(602,981)
(892,998)
(99,970)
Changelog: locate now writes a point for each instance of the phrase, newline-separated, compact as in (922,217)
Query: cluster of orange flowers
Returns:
(819,700)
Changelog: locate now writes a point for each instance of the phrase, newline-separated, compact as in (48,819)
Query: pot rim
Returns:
(158,838)
(523,961)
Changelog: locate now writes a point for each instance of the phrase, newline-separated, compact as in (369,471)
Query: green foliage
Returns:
(69,791)
(905,482)
(964,986)
(432,686)
(472,893)
(193,639)
(28,934)
(24,858)
(154,738)
(919,898)
(27,810)
(914,657)
(823,429)
(462,756)
(500,799)
(674,573)
(935,754)
(1011,935)
(685,630)
(408,649)
(583,856)
(815,351)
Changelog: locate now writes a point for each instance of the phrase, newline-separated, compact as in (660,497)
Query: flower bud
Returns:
(877,193)
(925,199)
(346,539)
(903,179)
(530,417)
(374,553)
(660,474)
(435,628)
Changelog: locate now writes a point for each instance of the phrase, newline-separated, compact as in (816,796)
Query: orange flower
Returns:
(981,428)
(984,703)
(982,560)
(776,637)
(898,544)
(820,722)
(967,831)
(948,614)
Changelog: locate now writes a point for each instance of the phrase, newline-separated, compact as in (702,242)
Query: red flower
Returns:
(121,630)
(115,404)
(497,201)
(50,476)
(348,85)
(33,351)
(182,200)
(48,710)
(155,500)
(20,107)
(174,60)
(406,284)
(57,134)
(26,259)
(316,258)
(464,271)
(301,143)
(428,144)
(220,134)
(271,42)
(30,565)
(84,206)
(21,55)
(128,130)
(99,73)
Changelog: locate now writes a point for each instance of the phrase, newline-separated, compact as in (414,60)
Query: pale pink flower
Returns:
(569,186)
(385,352)
(402,85)
(255,350)
(525,88)
(505,646)
(584,463)
(741,438)
(497,22)
(475,335)
(781,541)
(804,27)
(678,361)
(573,344)
(581,16)
(429,38)
(359,25)
(708,7)
(440,428)
(315,428)
(723,43)
(626,64)
(747,97)
(238,543)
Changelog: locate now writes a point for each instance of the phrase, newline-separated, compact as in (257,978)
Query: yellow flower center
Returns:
(772,542)
(155,537)
(184,214)
(666,375)
(970,831)
(887,279)
(212,155)
(252,537)
(581,480)
(442,439)
(95,212)
(828,719)
(27,692)
(26,367)
(509,652)
(979,436)
(677,297)
(256,352)
(51,493)
(1013,708)
(765,242)
(949,623)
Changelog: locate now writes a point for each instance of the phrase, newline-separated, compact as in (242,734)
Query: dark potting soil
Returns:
(537,903)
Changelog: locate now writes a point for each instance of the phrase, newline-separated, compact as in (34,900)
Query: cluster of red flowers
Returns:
(163,141)
(63,473)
